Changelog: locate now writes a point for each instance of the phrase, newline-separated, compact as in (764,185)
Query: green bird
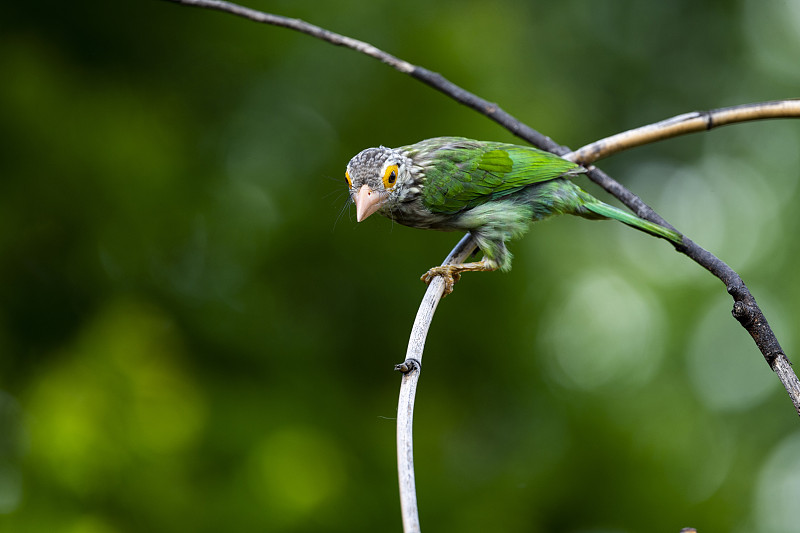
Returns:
(493,190)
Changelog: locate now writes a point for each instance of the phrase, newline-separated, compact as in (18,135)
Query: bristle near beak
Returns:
(367,202)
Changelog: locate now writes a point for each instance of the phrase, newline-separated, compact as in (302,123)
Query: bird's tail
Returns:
(607,211)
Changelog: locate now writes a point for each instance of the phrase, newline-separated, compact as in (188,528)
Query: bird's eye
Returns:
(349,181)
(390,176)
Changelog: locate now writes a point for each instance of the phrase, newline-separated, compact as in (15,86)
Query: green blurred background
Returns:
(195,337)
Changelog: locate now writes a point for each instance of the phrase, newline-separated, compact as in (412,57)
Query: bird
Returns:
(493,190)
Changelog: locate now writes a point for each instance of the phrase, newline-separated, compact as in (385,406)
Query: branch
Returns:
(411,368)
(745,310)
(683,124)
(303,27)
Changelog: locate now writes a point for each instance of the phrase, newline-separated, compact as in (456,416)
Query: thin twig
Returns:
(682,125)
(411,368)
(303,27)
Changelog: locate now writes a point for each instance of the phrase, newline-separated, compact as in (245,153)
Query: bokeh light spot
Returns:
(724,367)
(604,331)
(778,489)
(116,394)
(296,470)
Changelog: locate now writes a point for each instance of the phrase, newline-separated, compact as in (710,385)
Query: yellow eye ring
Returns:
(349,181)
(390,176)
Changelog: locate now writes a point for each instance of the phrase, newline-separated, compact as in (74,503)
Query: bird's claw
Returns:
(450,275)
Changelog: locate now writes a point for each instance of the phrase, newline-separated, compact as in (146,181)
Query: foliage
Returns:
(193,337)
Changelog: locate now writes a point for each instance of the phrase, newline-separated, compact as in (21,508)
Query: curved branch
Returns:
(683,124)
(745,310)
(411,368)
(303,27)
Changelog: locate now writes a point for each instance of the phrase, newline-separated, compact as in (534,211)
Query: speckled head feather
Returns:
(366,166)
(369,167)
(381,179)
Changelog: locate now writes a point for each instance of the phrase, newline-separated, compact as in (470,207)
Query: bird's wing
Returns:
(462,173)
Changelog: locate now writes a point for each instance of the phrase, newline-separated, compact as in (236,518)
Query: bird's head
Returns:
(377,177)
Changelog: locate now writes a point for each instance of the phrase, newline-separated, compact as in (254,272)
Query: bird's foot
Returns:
(450,274)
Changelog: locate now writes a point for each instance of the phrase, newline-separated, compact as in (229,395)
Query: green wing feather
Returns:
(463,173)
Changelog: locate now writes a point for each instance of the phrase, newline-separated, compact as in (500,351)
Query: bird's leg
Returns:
(452,273)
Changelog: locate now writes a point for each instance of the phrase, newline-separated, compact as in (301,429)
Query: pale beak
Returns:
(367,202)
